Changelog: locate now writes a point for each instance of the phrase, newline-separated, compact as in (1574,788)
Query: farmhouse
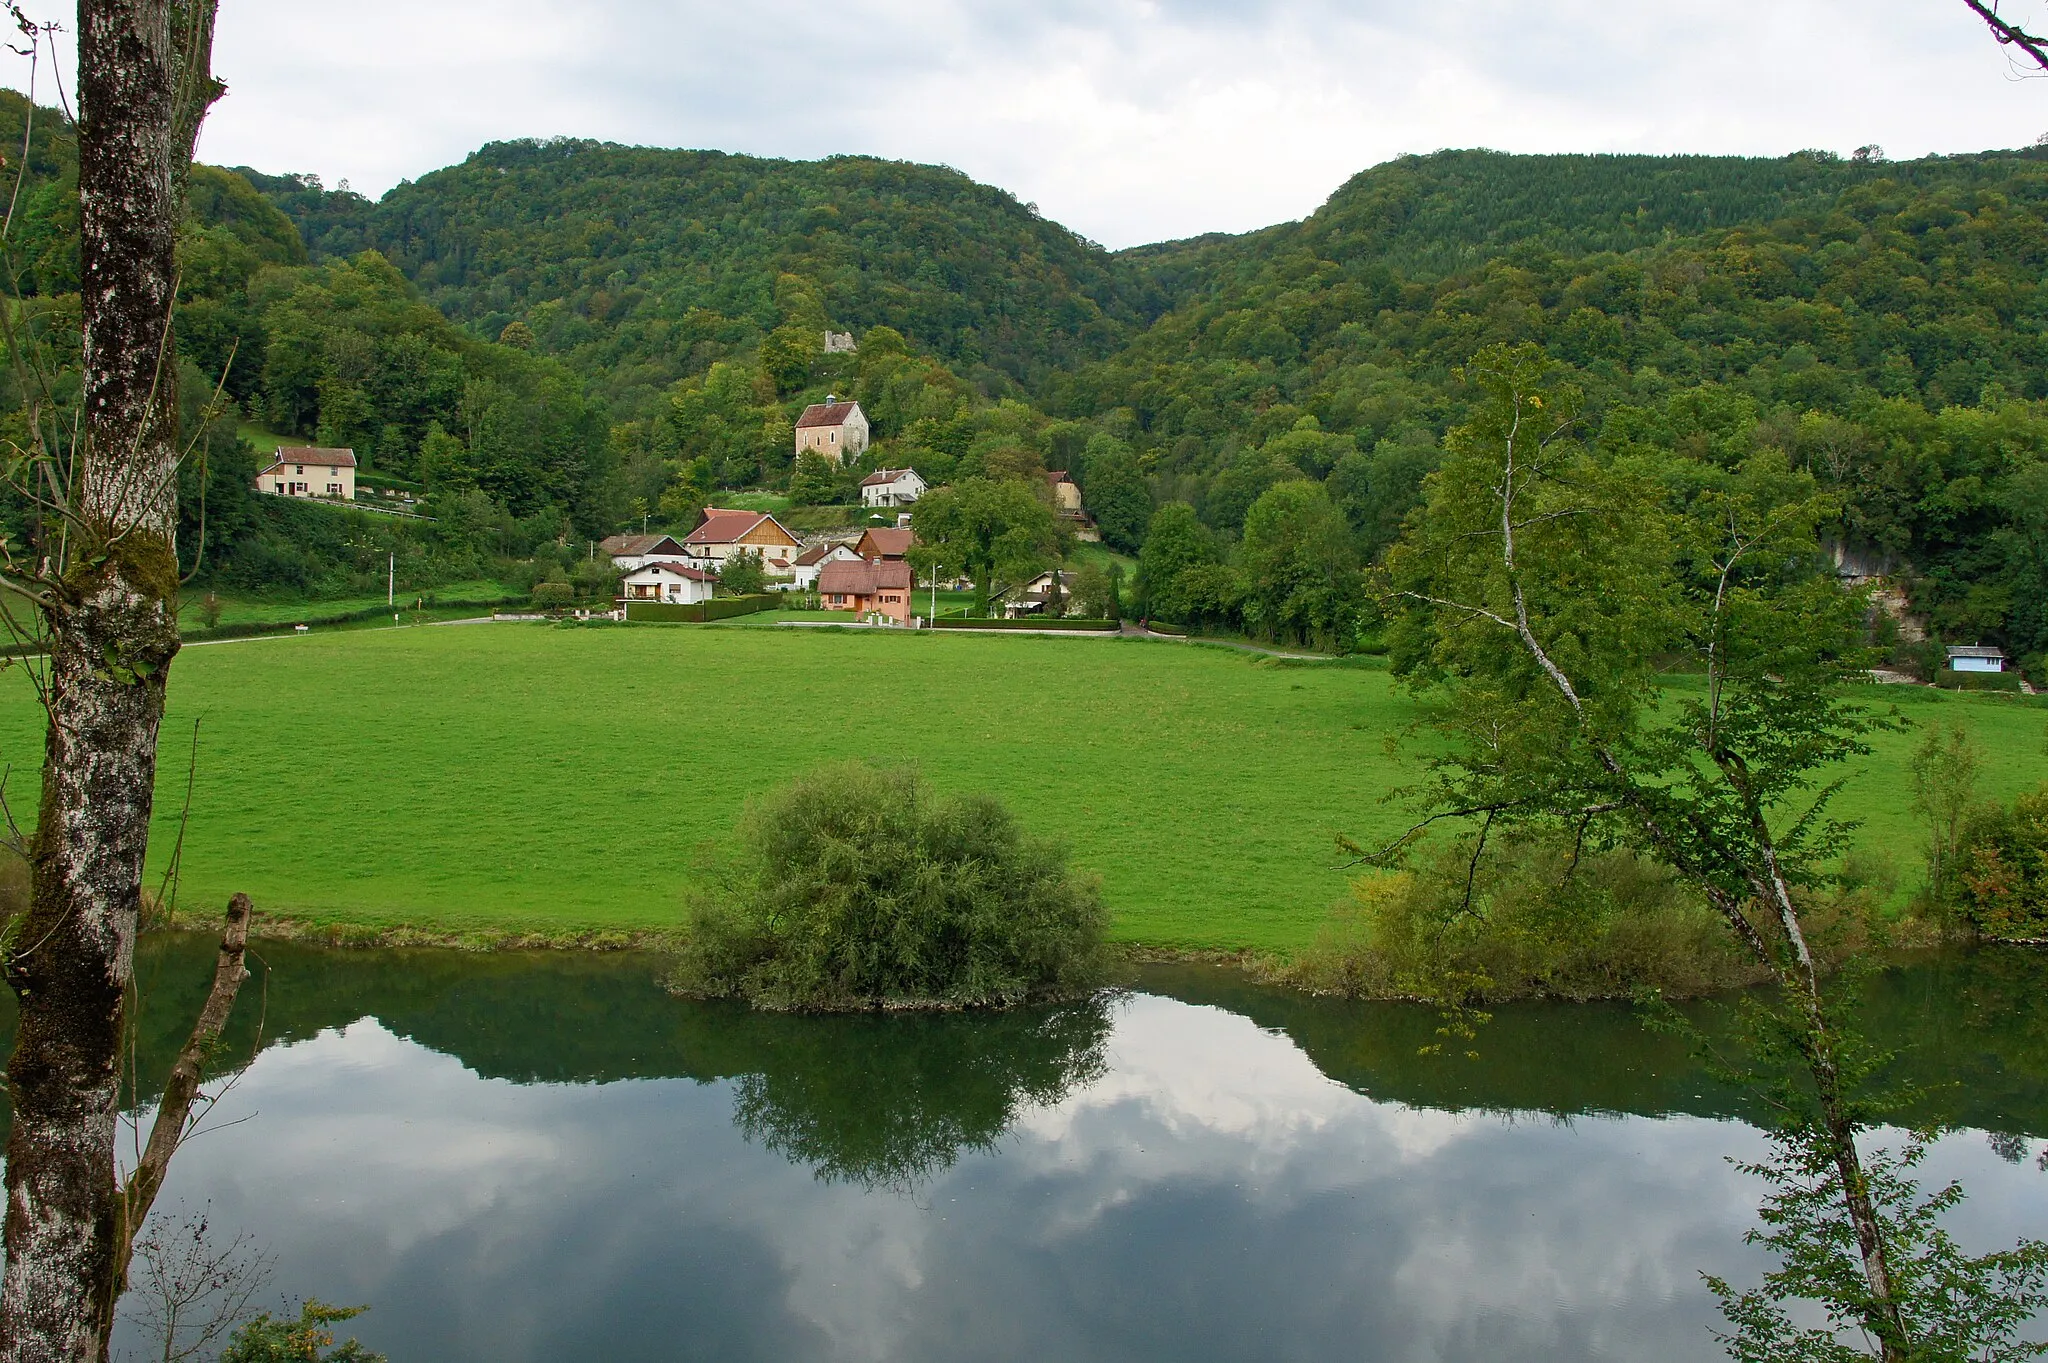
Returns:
(837,430)
(305,471)
(676,582)
(628,552)
(869,587)
(725,533)
(891,488)
(887,543)
(812,561)
(1972,658)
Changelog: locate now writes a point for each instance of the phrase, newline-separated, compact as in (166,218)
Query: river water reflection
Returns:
(520,1158)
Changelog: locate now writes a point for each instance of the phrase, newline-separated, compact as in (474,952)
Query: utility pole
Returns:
(391,581)
(935,591)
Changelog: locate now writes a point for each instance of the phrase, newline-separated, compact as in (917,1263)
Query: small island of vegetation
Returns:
(863,889)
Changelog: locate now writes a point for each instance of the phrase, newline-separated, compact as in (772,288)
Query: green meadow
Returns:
(517,777)
(253,610)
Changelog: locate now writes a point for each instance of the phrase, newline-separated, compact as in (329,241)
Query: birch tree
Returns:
(102,578)
(1543,590)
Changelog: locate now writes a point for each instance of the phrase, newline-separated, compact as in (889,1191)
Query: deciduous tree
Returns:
(1541,586)
(998,533)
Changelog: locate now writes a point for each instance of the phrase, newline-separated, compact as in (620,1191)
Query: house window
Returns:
(334,489)
(298,468)
(280,487)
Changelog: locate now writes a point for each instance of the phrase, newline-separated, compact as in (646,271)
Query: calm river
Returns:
(519,1157)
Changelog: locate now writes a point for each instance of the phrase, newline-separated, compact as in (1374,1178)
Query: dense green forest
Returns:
(1882,324)
(556,339)
(641,266)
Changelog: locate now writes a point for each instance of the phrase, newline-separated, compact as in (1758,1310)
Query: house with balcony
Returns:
(670,583)
(725,533)
(888,488)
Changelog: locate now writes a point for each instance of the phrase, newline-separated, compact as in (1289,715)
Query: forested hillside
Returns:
(640,266)
(1882,324)
(554,339)
(339,353)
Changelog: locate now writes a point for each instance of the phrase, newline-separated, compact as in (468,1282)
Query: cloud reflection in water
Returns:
(1201,1191)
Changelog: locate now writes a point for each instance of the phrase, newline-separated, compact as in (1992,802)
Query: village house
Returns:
(628,552)
(1973,658)
(839,343)
(725,533)
(812,561)
(868,587)
(891,488)
(837,430)
(1034,596)
(304,471)
(676,583)
(1066,494)
(1066,504)
(885,542)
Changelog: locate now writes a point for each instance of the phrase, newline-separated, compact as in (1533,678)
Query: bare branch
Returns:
(174,1110)
(2011,34)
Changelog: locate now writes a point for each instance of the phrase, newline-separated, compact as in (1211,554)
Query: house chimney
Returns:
(831,398)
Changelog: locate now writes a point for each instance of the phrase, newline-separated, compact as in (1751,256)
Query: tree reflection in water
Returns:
(886,1102)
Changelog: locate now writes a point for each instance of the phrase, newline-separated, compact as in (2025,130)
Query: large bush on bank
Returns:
(2004,864)
(860,888)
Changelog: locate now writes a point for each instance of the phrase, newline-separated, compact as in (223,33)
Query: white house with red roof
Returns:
(676,583)
(308,471)
(891,488)
(722,534)
(838,430)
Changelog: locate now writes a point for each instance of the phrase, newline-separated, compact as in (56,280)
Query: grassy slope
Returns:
(515,777)
(267,441)
(240,610)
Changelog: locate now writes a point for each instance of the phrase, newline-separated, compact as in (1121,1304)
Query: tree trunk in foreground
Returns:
(110,616)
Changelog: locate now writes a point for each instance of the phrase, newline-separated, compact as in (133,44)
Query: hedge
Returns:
(1977,681)
(970,622)
(697,612)
(253,629)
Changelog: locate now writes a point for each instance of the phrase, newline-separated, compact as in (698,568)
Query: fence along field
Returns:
(520,778)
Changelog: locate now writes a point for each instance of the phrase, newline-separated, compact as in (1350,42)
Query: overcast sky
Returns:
(1127,120)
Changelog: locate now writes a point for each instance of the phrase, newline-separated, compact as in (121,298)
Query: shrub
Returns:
(742,574)
(1540,924)
(697,612)
(2003,860)
(553,595)
(1951,680)
(862,889)
(305,1340)
(1068,623)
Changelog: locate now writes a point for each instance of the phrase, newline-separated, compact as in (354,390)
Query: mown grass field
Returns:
(520,777)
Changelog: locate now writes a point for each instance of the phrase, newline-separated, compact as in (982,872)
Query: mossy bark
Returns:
(109,609)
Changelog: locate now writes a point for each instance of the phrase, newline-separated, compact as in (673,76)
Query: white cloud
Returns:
(1129,120)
